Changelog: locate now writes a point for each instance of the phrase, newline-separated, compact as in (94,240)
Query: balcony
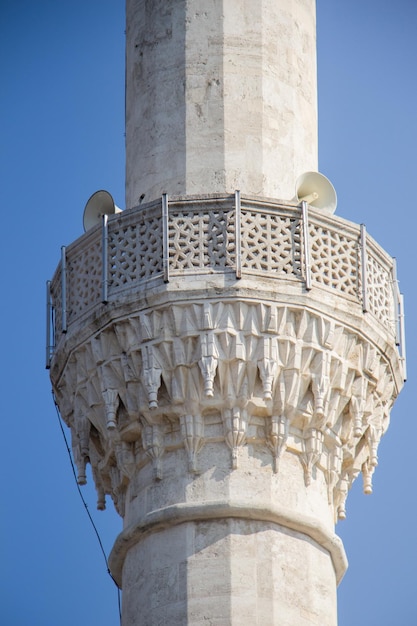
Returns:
(233,241)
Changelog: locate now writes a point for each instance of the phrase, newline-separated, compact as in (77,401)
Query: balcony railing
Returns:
(164,240)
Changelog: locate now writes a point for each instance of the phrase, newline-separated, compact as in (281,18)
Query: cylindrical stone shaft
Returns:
(220,95)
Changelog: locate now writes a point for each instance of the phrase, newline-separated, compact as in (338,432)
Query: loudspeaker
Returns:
(316,190)
(101,203)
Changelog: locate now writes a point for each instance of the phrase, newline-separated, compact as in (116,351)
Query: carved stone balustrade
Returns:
(202,241)
(237,334)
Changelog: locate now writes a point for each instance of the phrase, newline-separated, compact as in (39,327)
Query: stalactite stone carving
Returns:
(280,377)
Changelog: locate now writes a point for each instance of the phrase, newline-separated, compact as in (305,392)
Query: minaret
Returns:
(226,350)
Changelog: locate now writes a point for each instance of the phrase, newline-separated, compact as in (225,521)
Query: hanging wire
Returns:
(85,504)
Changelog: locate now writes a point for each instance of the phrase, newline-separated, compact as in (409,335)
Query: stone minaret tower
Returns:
(225,356)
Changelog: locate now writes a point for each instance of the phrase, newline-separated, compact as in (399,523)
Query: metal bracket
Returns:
(238,235)
(307,263)
(165,250)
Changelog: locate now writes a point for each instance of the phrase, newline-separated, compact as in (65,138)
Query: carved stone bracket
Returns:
(235,425)
(334,469)
(153,444)
(125,458)
(80,435)
(277,439)
(152,380)
(208,362)
(268,366)
(192,431)
(151,375)
(321,384)
(111,401)
(313,447)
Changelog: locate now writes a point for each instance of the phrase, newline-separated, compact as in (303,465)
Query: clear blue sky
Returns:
(62,138)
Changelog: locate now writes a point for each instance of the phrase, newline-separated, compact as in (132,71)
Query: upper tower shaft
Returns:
(219,96)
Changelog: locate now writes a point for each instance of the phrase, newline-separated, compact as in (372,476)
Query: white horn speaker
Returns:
(316,190)
(101,203)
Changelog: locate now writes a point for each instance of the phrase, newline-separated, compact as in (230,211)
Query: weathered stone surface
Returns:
(230,572)
(204,401)
(226,362)
(318,399)
(220,96)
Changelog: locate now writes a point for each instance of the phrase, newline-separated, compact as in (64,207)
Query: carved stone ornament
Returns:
(148,383)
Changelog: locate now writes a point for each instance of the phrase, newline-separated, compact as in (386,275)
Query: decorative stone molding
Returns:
(202,242)
(238,509)
(282,377)
(153,444)
(192,433)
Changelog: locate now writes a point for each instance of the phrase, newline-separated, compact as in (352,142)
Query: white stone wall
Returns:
(220,96)
(230,573)
(242,549)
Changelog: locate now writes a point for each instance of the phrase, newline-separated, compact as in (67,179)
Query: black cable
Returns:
(85,503)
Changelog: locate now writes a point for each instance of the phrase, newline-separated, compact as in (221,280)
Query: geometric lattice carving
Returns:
(272,243)
(84,286)
(123,256)
(150,246)
(200,239)
(135,250)
(334,260)
(379,292)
